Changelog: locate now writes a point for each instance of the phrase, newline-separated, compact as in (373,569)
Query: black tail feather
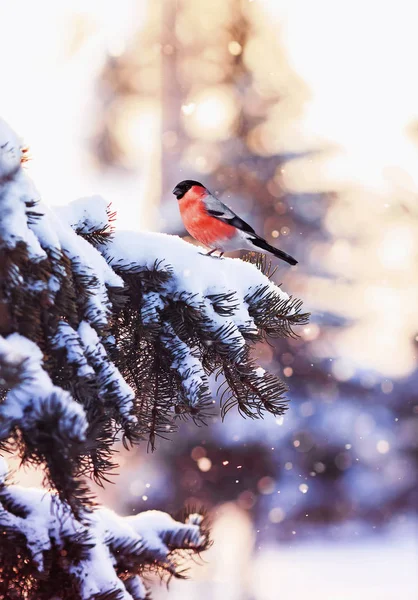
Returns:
(260,243)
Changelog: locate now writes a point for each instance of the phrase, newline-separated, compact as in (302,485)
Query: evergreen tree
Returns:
(105,336)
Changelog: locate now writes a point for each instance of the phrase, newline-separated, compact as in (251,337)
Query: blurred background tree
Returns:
(231,105)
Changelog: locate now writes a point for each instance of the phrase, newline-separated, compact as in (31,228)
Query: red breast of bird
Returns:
(207,230)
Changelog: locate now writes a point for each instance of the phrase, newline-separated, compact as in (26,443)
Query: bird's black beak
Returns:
(178,192)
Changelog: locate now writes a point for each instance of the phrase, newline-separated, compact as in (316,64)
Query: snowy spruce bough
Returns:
(110,336)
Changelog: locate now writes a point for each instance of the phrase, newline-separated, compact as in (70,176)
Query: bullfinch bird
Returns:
(212,223)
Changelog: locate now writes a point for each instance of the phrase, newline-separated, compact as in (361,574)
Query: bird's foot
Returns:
(210,253)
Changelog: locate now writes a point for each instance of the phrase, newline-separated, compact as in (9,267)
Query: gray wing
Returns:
(220,211)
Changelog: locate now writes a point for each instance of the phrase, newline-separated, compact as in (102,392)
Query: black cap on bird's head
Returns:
(184,186)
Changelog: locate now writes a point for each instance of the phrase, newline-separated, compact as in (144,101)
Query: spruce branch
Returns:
(109,335)
(127,329)
(45,550)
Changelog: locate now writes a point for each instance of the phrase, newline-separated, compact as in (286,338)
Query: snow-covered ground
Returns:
(369,570)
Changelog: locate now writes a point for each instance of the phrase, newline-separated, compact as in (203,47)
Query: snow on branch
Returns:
(46,553)
(196,315)
(106,333)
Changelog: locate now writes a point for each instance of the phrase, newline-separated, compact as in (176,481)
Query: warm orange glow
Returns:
(359,110)
(211,114)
